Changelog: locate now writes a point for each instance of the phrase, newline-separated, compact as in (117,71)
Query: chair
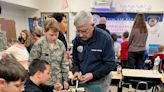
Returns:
(141,83)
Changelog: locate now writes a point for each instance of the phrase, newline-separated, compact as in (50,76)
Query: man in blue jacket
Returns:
(93,52)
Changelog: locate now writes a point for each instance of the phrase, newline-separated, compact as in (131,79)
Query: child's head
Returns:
(114,37)
(40,69)
(125,35)
(12,75)
(160,48)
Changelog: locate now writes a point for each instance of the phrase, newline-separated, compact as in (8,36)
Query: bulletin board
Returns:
(118,22)
(8,25)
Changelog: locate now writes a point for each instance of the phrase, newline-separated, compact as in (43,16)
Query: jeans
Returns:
(136,60)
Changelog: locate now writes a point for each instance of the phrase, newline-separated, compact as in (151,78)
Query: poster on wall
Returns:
(33,24)
(116,22)
(153,22)
(120,22)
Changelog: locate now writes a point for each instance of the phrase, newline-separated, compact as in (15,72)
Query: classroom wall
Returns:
(25,3)
(30,8)
(124,6)
(130,5)
(12,9)
(9,12)
(76,5)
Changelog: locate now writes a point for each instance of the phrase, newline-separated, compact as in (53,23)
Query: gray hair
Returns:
(83,17)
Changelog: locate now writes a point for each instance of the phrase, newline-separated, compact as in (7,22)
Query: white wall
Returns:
(25,3)
(76,5)
(19,14)
(9,12)
(154,5)
(28,8)
(52,6)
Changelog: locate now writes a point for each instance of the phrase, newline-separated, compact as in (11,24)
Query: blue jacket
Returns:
(96,55)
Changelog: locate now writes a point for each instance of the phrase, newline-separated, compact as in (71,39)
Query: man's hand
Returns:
(77,75)
(66,85)
(86,77)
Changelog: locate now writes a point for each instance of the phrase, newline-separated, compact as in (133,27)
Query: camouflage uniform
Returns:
(56,57)
(3,41)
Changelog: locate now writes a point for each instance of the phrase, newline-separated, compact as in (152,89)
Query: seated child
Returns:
(39,71)
(160,53)
(12,75)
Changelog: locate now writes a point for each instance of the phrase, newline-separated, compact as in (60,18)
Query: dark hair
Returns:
(114,37)
(58,16)
(12,70)
(37,65)
(21,40)
(126,34)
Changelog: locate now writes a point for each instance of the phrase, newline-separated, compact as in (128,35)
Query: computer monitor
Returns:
(153,48)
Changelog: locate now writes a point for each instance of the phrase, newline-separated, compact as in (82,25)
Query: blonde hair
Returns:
(161,48)
(52,24)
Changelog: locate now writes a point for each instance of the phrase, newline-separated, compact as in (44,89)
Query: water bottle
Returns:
(156,63)
(119,69)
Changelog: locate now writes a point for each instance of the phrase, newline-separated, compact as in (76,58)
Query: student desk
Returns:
(150,76)
(116,79)
(116,75)
(141,73)
(162,79)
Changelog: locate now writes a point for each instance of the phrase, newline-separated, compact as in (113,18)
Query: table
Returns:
(162,79)
(116,79)
(136,75)
(141,73)
(116,75)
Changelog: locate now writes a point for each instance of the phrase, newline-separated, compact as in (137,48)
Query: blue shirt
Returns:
(96,55)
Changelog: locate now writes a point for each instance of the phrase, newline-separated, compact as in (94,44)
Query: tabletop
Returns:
(141,73)
(116,75)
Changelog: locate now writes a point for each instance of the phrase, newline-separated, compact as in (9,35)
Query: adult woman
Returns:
(137,43)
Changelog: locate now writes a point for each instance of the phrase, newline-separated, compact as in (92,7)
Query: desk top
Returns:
(162,79)
(116,75)
(141,73)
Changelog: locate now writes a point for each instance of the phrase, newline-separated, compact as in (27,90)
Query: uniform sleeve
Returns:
(35,51)
(75,67)
(65,65)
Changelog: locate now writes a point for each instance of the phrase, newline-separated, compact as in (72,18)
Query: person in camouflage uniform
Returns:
(51,49)
(3,40)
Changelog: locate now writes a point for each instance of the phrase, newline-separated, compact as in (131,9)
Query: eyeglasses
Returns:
(83,31)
